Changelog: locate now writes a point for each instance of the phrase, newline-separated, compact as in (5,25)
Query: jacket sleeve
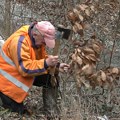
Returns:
(25,59)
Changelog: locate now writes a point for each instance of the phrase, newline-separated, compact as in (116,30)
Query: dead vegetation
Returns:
(92,86)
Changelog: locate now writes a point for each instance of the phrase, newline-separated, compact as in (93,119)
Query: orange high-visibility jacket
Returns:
(20,61)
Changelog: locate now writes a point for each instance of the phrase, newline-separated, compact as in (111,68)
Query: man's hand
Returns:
(52,60)
(64,67)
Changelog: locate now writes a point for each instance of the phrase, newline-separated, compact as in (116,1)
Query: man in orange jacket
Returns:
(24,62)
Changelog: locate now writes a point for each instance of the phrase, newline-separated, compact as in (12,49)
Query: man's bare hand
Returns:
(64,67)
(52,60)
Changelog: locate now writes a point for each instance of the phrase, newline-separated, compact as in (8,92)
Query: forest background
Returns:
(99,20)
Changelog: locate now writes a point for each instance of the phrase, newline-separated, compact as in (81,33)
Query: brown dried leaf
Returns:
(78,50)
(72,16)
(96,48)
(88,50)
(79,26)
(73,57)
(81,17)
(86,61)
(76,12)
(115,70)
(92,8)
(75,28)
(87,57)
(87,69)
(78,82)
(76,43)
(83,7)
(99,80)
(79,60)
(103,75)
(87,12)
(82,54)
(98,43)
(91,57)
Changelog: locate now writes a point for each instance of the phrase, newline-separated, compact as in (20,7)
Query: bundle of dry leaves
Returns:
(84,59)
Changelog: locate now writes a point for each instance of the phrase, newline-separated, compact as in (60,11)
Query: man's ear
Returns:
(34,34)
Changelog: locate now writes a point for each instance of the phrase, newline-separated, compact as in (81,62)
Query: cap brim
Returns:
(50,43)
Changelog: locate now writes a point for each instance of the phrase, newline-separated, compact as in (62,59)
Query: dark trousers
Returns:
(40,81)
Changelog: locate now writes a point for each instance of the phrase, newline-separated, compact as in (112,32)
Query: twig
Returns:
(115,34)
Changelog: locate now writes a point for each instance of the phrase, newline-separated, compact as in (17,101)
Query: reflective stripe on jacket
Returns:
(19,63)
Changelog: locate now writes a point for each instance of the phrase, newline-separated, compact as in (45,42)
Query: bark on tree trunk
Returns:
(7,19)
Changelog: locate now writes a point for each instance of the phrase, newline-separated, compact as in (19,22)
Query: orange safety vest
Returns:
(19,63)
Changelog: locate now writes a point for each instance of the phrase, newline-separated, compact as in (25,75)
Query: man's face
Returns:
(39,39)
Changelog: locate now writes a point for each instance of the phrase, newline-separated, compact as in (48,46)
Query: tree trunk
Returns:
(7,19)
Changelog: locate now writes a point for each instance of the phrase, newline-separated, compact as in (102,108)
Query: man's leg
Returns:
(8,103)
(51,95)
